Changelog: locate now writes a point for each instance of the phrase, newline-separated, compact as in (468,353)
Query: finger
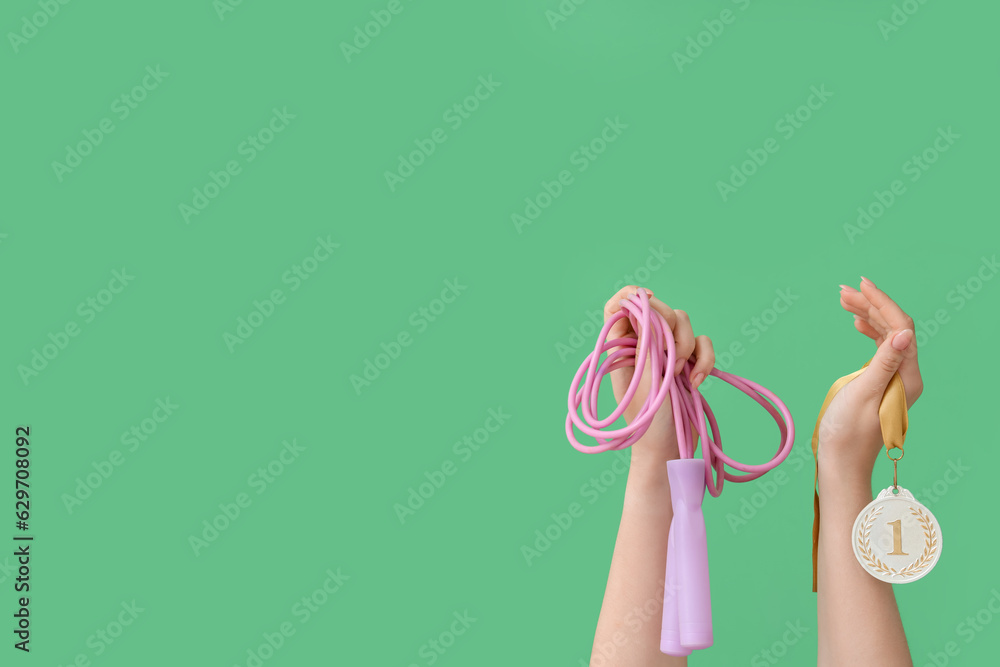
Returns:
(669,314)
(613,304)
(886,362)
(857,303)
(621,376)
(862,325)
(887,309)
(850,303)
(623,327)
(704,355)
(898,320)
(854,301)
(684,337)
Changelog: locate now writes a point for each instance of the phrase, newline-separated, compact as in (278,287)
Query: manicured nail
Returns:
(697,379)
(865,280)
(902,340)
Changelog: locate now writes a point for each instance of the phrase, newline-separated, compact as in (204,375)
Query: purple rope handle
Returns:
(687,403)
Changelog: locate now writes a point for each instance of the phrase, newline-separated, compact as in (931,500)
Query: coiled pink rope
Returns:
(656,339)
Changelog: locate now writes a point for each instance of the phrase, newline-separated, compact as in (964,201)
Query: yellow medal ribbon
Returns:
(893,421)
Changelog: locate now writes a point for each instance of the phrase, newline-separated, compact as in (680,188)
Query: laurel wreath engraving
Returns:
(917,566)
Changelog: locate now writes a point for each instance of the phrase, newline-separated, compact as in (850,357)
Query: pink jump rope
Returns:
(687,604)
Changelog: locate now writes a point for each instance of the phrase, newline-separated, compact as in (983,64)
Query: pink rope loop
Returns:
(655,342)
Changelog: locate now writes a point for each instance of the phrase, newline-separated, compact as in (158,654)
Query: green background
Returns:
(497,344)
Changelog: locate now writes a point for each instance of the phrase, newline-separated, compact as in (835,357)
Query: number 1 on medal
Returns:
(897,538)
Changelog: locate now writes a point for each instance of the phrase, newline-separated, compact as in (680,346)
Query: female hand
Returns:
(850,435)
(661,429)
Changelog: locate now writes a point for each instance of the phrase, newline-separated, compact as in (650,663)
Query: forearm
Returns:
(858,618)
(628,630)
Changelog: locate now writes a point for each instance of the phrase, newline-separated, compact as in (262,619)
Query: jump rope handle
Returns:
(687,598)
(670,633)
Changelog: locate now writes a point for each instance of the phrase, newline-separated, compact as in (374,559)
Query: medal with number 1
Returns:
(896,539)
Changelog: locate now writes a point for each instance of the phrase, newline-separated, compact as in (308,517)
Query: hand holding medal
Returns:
(895,538)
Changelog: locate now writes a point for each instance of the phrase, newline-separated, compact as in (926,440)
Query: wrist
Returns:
(648,464)
(843,482)
(847,461)
(654,449)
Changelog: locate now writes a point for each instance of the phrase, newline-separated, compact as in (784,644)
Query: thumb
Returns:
(885,363)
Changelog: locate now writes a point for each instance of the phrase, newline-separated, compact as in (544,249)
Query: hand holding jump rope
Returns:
(660,366)
(645,328)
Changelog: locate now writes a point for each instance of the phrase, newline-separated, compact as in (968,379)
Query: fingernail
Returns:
(696,379)
(902,340)
(865,280)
